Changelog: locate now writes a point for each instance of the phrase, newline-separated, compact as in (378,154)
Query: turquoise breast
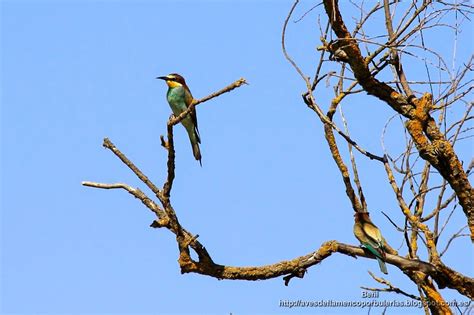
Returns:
(176,99)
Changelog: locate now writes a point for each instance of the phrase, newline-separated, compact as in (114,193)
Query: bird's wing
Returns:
(374,235)
(188,98)
(359,233)
(374,250)
(366,240)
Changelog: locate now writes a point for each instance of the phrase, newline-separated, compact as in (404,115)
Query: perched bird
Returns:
(179,97)
(370,237)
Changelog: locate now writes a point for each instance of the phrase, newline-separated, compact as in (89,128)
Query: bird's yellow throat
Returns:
(173,84)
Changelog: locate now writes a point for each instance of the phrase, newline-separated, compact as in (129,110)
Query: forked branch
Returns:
(167,218)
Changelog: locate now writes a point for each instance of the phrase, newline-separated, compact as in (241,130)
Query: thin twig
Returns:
(109,145)
(452,238)
(390,287)
(137,193)
(228,88)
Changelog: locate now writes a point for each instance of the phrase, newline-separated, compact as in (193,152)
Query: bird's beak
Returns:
(162,78)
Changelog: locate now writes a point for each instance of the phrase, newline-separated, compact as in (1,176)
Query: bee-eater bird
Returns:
(370,237)
(179,97)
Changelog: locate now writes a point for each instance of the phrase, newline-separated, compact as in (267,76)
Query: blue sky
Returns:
(75,72)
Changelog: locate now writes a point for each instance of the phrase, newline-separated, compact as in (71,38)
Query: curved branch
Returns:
(444,276)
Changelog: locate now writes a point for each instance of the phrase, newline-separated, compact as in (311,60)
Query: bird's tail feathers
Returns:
(197,135)
(379,255)
(197,152)
(195,140)
(374,250)
(382,265)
